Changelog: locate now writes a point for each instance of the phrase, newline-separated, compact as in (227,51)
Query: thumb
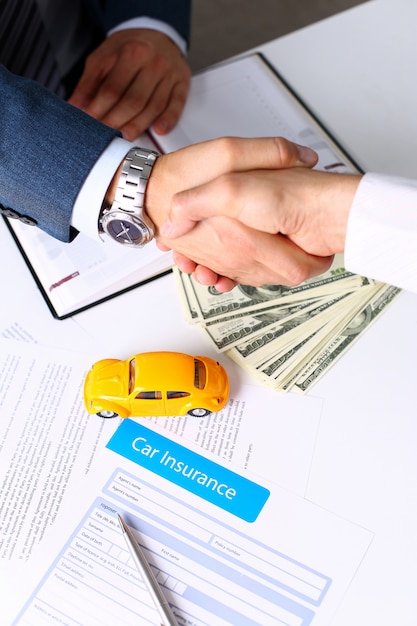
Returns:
(238,154)
(228,155)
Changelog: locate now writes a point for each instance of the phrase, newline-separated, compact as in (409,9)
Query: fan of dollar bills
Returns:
(288,337)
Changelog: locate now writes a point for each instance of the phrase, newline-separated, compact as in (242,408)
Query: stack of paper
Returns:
(288,337)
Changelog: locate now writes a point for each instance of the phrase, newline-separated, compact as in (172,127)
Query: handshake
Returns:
(256,234)
(249,211)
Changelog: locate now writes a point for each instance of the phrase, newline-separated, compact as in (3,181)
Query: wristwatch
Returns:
(125,220)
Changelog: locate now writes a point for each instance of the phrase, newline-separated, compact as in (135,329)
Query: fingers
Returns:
(273,260)
(235,154)
(224,284)
(169,118)
(99,89)
(233,194)
(199,163)
(163,108)
(134,78)
(241,196)
(203,275)
(206,277)
(125,89)
(117,88)
(223,252)
(188,266)
(231,250)
(86,88)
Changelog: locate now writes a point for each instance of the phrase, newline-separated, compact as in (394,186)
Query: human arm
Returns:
(47,149)
(60,146)
(243,254)
(381,236)
(309,207)
(373,219)
(138,75)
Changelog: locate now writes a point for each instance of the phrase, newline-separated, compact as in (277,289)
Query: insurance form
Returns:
(48,445)
(227,549)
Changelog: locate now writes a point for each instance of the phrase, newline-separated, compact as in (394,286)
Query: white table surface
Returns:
(355,71)
(358,73)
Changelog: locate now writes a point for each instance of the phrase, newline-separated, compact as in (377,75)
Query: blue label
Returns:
(189,470)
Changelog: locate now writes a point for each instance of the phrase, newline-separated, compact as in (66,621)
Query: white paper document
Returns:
(225,548)
(246,98)
(269,435)
(48,441)
(76,275)
(23,315)
(222,532)
(47,445)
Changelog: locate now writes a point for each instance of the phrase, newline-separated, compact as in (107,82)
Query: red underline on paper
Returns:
(64,280)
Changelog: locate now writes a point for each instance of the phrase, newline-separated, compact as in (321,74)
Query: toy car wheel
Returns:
(107,414)
(199,412)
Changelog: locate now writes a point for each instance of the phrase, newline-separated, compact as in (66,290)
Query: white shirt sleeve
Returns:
(381,237)
(91,195)
(151,23)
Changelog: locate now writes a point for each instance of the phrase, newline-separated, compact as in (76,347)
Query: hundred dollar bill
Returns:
(237,325)
(230,331)
(287,337)
(283,363)
(188,300)
(259,350)
(213,305)
(292,363)
(264,372)
(335,349)
(277,340)
(302,364)
(285,370)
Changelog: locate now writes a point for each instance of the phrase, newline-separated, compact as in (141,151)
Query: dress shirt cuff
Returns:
(91,195)
(381,237)
(151,23)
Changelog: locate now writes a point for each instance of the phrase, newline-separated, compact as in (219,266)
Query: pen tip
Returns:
(121,521)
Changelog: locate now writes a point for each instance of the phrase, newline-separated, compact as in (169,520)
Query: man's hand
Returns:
(306,208)
(310,208)
(223,247)
(135,78)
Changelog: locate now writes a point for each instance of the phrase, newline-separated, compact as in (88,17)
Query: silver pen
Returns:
(159,600)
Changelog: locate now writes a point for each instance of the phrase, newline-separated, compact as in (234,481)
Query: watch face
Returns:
(125,232)
(129,230)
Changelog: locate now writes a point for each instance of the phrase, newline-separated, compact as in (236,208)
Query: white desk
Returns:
(356,72)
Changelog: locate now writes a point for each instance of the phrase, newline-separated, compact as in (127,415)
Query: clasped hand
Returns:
(248,211)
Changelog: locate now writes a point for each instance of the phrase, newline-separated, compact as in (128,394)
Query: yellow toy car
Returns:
(156,383)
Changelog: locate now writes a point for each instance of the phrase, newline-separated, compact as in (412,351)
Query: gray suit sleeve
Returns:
(47,149)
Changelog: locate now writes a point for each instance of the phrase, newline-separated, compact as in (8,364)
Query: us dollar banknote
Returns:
(352,331)
(258,349)
(230,331)
(287,338)
(212,305)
